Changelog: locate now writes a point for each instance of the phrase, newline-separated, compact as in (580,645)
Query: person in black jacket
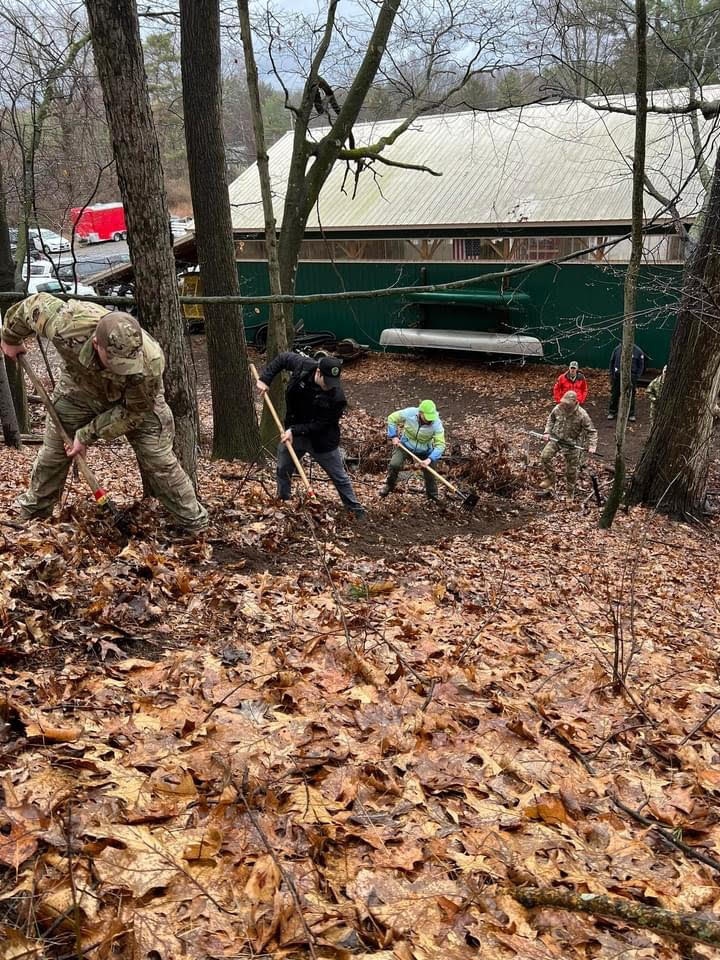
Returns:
(636,371)
(315,401)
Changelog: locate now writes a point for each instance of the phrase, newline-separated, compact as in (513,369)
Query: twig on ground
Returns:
(701,724)
(571,748)
(242,793)
(666,835)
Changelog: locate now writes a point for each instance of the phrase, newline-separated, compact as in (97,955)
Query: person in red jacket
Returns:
(571,380)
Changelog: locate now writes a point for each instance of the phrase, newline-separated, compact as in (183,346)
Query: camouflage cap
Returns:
(570,398)
(121,337)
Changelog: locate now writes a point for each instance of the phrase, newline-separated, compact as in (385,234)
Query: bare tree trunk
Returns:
(312,162)
(119,60)
(633,270)
(672,472)
(277,339)
(13,398)
(235,429)
(10,429)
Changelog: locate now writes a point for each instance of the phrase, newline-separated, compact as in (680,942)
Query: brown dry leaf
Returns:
(402,809)
(310,806)
(264,880)
(14,945)
(206,846)
(142,863)
(709,778)
(549,808)
(20,842)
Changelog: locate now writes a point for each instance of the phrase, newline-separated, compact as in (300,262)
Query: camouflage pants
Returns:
(397,462)
(573,461)
(152,442)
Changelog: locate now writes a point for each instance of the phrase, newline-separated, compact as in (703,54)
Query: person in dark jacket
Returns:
(315,401)
(636,371)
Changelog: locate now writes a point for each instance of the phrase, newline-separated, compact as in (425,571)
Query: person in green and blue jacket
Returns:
(419,430)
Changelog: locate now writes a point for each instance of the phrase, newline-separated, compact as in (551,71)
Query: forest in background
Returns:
(47,74)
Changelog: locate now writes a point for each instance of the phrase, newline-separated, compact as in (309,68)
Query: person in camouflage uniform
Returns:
(653,392)
(568,422)
(111,386)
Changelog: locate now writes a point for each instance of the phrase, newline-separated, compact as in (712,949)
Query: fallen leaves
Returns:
(412,719)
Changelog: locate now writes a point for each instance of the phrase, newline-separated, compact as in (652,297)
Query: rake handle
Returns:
(437,475)
(288,443)
(98,492)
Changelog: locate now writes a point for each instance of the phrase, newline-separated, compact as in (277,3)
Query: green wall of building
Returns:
(575,309)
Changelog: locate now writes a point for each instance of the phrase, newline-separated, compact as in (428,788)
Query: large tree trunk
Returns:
(277,339)
(12,386)
(236,432)
(672,472)
(119,61)
(633,270)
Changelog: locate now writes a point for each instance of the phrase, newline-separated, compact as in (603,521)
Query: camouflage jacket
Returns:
(573,425)
(70,327)
(655,388)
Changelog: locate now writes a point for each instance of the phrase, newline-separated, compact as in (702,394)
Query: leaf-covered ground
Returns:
(300,736)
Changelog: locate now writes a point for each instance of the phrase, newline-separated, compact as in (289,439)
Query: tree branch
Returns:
(667,835)
(683,926)
(362,153)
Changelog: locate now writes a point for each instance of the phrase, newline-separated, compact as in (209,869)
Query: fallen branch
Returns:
(666,835)
(684,926)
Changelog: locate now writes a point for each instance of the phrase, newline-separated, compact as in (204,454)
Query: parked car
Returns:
(44,279)
(179,226)
(81,269)
(47,240)
(43,285)
(40,269)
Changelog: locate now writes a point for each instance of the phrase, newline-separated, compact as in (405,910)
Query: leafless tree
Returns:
(429,52)
(633,269)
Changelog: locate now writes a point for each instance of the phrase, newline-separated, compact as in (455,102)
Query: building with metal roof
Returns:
(549,170)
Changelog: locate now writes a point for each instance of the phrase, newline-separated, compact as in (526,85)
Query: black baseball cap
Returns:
(330,368)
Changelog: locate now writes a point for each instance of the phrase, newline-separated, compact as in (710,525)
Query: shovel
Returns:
(469,500)
(288,443)
(102,497)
